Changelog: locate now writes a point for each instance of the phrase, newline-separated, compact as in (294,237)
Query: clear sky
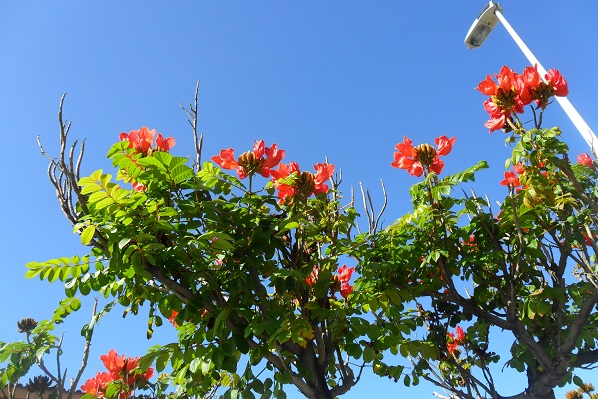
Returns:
(339,79)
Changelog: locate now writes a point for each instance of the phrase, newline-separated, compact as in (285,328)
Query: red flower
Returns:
(558,82)
(346,290)
(114,363)
(164,144)
(96,386)
(510,180)
(444,144)
(540,91)
(305,183)
(585,159)
(509,94)
(273,156)
(143,139)
(512,91)
(226,159)
(172,317)
(471,243)
(519,168)
(120,368)
(343,277)
(406,158)
(451,346)
(313,276)
(423,158)
(345,273)
(251,162)
(496,123)
(453,341)
(324,172)
(139,187)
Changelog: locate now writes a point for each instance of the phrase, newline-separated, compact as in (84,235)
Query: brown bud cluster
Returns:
(425,154)
(26,325)
(39,384)
(305,184)
(250,163)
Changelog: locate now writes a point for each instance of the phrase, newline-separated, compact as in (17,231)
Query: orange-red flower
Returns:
(346,290)
(139,187)
(143,140)
(164,144)
(96,386)
(589,241)
(344,275)
(120,368)
(540,91)
(519,168)
(512,91)
(423,158)
(312,279)
(510,180)
(471,243)
(508,94)
(173,314)
(251,162)
(557,82)
(454,340)
(585,159)
(304,184)
(114,363)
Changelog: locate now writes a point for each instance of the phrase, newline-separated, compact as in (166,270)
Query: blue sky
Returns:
(343,80)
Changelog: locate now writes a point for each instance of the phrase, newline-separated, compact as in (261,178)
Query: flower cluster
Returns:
(342,279)
(454,340)
(312,279)
(305,183)
(424,157)
(260,160)
(142,141)
(512,91)
(120,368)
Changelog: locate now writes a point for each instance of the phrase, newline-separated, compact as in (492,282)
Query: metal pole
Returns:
(571,112)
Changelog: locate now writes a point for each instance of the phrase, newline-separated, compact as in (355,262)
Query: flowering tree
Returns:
(526,267)
(247,267)
(251,268)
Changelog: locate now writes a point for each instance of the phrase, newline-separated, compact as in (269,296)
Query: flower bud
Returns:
(425,154)
(26,325)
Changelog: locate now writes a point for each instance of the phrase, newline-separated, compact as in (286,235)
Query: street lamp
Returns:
(479,31)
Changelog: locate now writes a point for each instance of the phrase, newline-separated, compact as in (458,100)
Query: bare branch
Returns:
(197,137)
(368,206)
(86,349)
(63,173)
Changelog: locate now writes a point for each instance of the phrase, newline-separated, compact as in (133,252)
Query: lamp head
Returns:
(483,25)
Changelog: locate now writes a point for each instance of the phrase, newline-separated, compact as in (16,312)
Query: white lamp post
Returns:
(478,33)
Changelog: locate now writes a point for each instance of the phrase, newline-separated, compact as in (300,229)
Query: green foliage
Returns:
(252,282)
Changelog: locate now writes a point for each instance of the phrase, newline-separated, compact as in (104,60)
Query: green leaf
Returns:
(147,360)
(194,365)
(87,234)
(368,354)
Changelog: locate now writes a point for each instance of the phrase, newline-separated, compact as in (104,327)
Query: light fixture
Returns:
(482,26)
